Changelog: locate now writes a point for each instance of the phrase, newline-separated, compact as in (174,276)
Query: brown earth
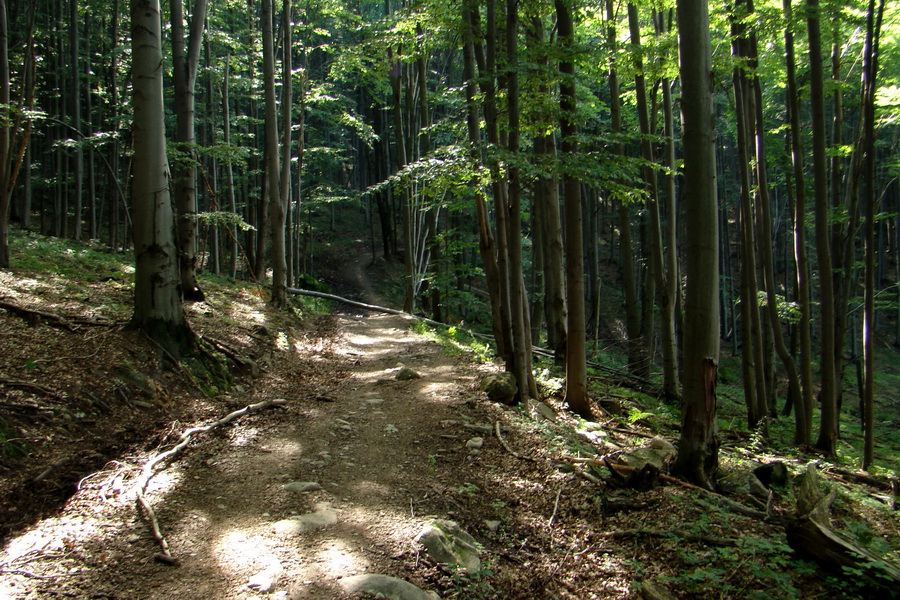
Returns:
(388,455)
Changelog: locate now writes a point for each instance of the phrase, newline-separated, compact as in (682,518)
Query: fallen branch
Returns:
(150,467)
(29,386)
(34,317)
(619,471)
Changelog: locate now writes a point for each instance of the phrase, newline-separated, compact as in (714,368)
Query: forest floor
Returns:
(383,457)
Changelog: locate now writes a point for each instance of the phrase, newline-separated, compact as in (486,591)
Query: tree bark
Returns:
(184,75)
(698,453)
(827,439)
(157,285)
(273,184)
(576,367)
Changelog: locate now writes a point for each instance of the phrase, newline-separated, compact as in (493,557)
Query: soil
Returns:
(389,456)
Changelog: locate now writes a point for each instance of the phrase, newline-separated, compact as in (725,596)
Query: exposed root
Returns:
(154,465)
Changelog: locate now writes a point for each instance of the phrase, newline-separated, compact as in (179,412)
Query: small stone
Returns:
(342,422)
(447,542)
(266,580)
(133,538)
(492,526)
(406,374)
(302,486)
(322,517)
(475,443)
(374,401)
(390,428)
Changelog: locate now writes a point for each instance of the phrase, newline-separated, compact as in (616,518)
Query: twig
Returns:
(689,537)
(150,469)
(507,446)
(26,574)
(555,509)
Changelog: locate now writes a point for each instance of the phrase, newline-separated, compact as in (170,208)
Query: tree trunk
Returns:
(273,183)
(803,413)
(870,79)
(576,366)
(75,94)
(635,349)
(5,137)
(828,426)
(157,285)
(698,452)
(184,75)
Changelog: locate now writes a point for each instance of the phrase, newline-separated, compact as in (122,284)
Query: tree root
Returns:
(35,317)
(151,468)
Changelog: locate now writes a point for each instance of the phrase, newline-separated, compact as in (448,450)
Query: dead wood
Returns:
(835,551)
(880,483)
(30,386)
(36,317)
(152,466)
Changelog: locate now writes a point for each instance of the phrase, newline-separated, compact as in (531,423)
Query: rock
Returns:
(475,443)
(756,487)
(663,444)
(266,580)
(492,526)
(302,486)
(322,517)
(539,410)
(500,387)
(390,428)
(643,456)
(406,374)
(446,542)
(374,401)
(384,586)
(342,422)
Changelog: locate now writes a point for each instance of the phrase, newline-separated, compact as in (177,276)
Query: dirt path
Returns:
(372,443)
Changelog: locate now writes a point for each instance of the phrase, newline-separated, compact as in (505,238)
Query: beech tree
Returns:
(157,282)
(698,450)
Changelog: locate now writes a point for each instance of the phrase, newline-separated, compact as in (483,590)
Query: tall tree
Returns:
(827,439)
(273,184)
(870,78)
(186,59)
(576,359)
(698,452)
(157,284)
(5,164)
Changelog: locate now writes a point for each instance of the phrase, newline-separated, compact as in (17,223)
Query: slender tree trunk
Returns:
(184,75)
(635,348)
(576,366)
(486,246)
(5,165)
(803,418)
(828,426)
(75,94)
(698,451)
(870,79)
(273,183)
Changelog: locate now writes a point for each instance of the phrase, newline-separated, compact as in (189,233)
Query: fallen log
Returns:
(835,551)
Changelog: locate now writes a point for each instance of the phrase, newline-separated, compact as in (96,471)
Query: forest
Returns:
(697,203)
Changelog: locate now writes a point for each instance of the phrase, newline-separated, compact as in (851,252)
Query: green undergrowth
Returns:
(457,341)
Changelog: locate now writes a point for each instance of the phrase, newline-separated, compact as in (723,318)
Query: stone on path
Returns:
(266,580)
(322,517)
(390,428)
(384,586)
(446,542)
(406,374)
(302,486)
(492,526)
